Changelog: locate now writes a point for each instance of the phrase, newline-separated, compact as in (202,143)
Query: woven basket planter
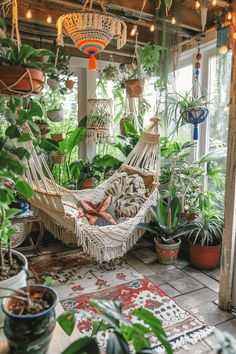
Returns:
(134,88)
(18,80)
(167,253)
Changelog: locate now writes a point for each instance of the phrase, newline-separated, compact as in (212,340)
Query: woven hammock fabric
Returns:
(101,242)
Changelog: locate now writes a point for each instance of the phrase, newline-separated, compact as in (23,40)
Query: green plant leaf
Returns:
(12,132)
(35,110)
(86,345)
(21,153)
(67,321)
(24,189)
(117,344)
(9,116)
(75,137)
(24,137)
(25,52)
(11,212)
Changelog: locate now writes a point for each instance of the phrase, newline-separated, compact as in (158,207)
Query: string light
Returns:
(173,19)
(214,2)
(229,16)
(133,31)
(234,35)
(28,13)
(197,4)
(152,27)
(49,18)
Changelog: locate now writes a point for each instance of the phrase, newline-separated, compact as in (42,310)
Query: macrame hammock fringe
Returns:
(104,243)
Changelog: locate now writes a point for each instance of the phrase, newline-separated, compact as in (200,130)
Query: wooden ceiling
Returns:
(37,30)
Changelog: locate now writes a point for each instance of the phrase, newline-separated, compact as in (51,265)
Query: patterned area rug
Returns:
(182,328)
(73,274)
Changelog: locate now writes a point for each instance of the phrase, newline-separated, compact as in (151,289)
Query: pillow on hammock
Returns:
(74,212)
(129,193)
(101,214)
(148,177)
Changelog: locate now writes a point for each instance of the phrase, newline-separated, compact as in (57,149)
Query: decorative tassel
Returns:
(92,63)
(195,132)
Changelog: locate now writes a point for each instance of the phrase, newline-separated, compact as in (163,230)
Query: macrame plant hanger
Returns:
(196,115)
(91,31)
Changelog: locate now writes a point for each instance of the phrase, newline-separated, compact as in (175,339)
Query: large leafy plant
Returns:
(166,222)
(123,336)
(13,167)
(129,139)
(149,56)
(25,55)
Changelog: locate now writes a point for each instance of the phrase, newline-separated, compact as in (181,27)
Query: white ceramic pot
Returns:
(53,84)
(15,282)
(55,115)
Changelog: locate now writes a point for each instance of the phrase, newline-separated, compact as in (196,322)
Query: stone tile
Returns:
(146,255)
(181,263)
(207,281)
(142,243)
(186,284)
(160,268)
(214,273)
(137,264)
(228,326)
(169,290)
(168,276)
(198,348)
(200,304)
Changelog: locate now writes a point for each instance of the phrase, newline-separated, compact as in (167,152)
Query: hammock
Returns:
(104,243)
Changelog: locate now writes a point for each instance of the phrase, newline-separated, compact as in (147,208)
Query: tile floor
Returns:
(194,290)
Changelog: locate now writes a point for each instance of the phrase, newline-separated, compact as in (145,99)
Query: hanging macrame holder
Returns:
(19,80)
(99,121)
(91,31)
(196,115)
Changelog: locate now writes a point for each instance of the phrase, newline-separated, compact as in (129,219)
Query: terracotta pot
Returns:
(31,333)
(55,115)
(188,216)
(58,137)
(134,87)
(204,257)
(18,78)
(88,183)
(70,84)
(59,158)
(167,253)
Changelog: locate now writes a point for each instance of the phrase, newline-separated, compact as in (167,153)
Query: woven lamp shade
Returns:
(91,31)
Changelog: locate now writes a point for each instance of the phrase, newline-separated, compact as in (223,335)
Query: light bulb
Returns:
(223,49)
(28,13)
(234,35)
(214,2)
(133,31)
(49,18)
(197,4)
(229,16)
(152,27)
(173,20)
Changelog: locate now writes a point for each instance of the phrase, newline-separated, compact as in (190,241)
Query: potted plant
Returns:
(30,318)
(84,173)
(122,336)
(55,115)
(110,72)
(58,137)
(52,102)
(43,126)
(205,236)
(131,78)
(166,225)
(22,69)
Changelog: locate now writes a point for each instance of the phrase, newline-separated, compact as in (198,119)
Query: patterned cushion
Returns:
(74,212)
(148,177)
(129,193)
(100,214)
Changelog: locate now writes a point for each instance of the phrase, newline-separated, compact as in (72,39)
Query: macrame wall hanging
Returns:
(91,30)
(99,121)
(198,113)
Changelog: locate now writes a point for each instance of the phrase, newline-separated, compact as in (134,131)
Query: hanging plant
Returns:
(99,121)
(110,72)
(149,56)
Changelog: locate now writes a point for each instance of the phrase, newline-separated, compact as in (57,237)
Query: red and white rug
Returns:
(182,328)
(73,273)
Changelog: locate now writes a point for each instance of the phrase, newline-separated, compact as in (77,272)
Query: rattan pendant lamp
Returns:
(91,30)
